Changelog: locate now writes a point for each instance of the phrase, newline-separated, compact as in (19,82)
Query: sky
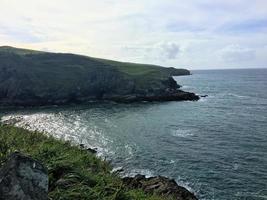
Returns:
(193,34)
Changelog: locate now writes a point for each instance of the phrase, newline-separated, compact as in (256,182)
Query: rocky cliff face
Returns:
(23,178)
(159,185)
(39,78)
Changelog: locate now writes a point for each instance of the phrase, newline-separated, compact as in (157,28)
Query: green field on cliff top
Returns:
(68,64)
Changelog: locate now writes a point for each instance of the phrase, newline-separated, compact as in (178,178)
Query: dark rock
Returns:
(159,185)
(93,151)
(204,95)
(23,178)
(160,95)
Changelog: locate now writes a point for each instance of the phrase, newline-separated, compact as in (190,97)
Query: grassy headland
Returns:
(29,77)
(74,173)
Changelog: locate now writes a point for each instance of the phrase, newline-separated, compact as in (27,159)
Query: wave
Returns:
(229,94)
(172,162)
(203,99)
(129,150)
(64,128)
(185,185)
(145,172)
(182,133)
(186,86)
(238,96)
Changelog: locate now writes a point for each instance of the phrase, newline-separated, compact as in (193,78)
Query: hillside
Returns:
(29,77)
(75,173)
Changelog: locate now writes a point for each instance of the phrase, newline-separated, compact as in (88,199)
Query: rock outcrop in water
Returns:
(29,78)
(159,185)
(23,178)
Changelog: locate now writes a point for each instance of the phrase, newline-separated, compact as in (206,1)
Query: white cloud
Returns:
(171,50)
(166,32)
(237,54)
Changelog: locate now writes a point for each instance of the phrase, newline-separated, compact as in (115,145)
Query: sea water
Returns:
(215,147)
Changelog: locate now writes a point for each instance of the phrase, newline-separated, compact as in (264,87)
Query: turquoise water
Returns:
(216,147)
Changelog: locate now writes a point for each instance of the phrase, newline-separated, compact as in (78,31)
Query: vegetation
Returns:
(36,77)
(145,74)
(74,173)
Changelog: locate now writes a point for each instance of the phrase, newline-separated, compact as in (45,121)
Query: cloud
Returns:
(180,26)
(164,32)
(237,54)
(246,26)
(171,50)
(20,35)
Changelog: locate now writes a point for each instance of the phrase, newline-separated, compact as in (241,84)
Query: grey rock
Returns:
(23,178)
(92,150)
(159,185)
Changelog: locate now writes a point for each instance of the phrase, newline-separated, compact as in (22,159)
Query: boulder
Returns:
(159,185)
(23,178)
(91,150)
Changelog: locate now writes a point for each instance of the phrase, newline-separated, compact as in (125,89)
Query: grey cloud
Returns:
(235,53)
(170,50)
(19,34)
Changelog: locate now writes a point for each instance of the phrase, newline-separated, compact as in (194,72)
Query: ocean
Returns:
(215,147)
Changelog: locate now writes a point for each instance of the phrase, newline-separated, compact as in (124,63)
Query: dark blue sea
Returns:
(215,147)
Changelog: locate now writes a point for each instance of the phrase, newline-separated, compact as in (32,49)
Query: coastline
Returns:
(36,78)
(160,96)
(162,187)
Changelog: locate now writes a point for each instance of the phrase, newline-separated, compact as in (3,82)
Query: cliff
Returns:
(29,77)
(47,168)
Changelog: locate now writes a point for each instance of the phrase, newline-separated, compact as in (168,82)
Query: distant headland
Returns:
(33,78)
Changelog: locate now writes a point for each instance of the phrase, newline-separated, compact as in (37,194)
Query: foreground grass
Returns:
(73,173)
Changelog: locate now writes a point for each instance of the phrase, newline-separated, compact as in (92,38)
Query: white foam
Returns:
(145,172)
(129,149)
(203,99)
(182,133)
(59,127)
(186,86)
(117,169)
(185,184)
(229,94)
(236,166)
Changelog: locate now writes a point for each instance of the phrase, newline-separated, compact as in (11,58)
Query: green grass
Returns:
(146,76)
(84,175)
(36,75)
(9,49)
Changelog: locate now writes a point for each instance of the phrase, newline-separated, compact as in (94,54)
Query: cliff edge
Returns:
(29,78)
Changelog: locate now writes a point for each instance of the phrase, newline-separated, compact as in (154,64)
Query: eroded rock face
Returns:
(23,178)
(31,78)
(160,185)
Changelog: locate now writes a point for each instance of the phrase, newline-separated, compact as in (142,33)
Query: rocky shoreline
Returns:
(22,177)
(156,184)
(34,78)
(159,185)
(179,96)
(158,96)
